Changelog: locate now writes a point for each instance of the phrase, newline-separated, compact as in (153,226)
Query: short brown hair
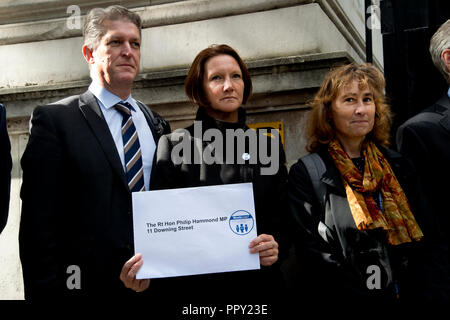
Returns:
(94,28)
(193,85)
(319,128)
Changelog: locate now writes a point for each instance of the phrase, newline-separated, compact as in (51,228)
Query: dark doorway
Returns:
(412,81)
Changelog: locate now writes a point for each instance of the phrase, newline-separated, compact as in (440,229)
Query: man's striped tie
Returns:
(132,149)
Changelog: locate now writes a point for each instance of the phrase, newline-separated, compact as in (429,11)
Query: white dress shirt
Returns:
(107,101)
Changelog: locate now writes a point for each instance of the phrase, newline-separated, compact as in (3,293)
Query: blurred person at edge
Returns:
(425,140)
(76,192)
(362,239)
(219,83)
(5,169)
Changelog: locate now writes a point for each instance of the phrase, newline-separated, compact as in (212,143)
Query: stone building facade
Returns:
(288,45)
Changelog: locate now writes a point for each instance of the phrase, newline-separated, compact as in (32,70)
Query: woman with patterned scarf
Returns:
(357,235)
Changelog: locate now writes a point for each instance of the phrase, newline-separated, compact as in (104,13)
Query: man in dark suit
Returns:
(5,169)
(85,156)
(425,139)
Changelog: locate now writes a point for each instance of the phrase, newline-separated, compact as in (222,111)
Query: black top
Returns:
(269,196)
(359,162)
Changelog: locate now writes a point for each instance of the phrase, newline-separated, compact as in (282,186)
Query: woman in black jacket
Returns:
(219,83)
(356,234)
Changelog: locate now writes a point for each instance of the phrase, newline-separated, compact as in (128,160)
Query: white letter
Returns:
(183,147)
(198,142)
(373,22)
(374,281)
(274,159)
(73,22)
(236,139)
(73,281)
(213,153)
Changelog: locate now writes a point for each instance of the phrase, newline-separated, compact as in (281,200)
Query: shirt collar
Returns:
(107,98)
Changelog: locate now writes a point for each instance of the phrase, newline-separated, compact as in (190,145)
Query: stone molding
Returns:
(31,29)
(21,11)
(163,88)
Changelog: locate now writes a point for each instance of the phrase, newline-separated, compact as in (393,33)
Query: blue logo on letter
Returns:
(241,222)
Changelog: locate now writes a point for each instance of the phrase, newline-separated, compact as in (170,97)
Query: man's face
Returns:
(115,61)
(445,56)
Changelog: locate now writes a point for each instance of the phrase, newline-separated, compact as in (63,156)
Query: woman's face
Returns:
(353,112)
(224,87)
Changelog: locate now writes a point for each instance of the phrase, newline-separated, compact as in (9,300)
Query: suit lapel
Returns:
(445,121)
(91,111)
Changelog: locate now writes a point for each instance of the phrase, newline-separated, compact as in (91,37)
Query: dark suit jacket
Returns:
(425,139)
(76,202)
(5,169)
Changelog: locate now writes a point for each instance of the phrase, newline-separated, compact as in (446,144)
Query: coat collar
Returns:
(443,107)
(209,122)
(332,176)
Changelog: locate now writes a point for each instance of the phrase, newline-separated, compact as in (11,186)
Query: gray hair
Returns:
(94,29)
(439,42)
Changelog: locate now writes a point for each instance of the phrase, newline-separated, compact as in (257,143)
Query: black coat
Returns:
(337,268)
(5,169)
(76,202)
(425,140)
(270,207)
